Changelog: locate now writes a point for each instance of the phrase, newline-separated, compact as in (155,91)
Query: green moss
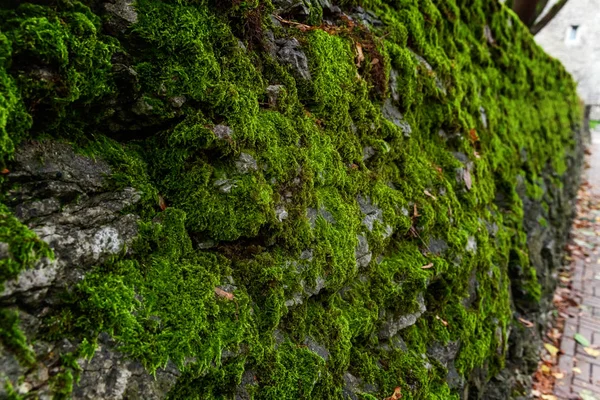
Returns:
(281,235)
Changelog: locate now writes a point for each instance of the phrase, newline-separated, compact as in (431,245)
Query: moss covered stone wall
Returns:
(279,199)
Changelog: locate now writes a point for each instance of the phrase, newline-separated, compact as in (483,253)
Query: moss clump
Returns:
(382,184)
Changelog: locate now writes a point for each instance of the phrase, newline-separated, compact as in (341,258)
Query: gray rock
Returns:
(362,253)
(312,214)
(316,348)
(281,213)
(289,53)
(437,246)
(463,174)
(394,343)
(390,327)
(248,379)
(295,7)
(392,114)
(351,387)
(394,85)
(225,185)
(273,92)
(371,214)
(223,132)
(492,228)
(471,244)
(109,375)
(142,108)
(278,337)
(368,152)
(88,227)
(246,163)
(473,287)
(315,289)
(444,354)
(60,196)
(483,116)
(487,32)
(367,18)
(177,101)
(307,255)
(429,68)
(295,300)
(122,15)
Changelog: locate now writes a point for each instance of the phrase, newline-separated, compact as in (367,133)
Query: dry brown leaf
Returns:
(445,323)
(360,57)
(427,266)
(527,323)
(226,295)
(396,395)
(162,203)
(473,135)
(429,194)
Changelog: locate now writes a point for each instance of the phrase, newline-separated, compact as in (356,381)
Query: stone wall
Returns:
(284,199)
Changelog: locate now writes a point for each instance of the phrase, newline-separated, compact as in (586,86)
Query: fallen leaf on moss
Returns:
(553,350)
(427,266)
(445,323)
(429,194)
(528,324)
(581,339)
(473,135)
(397,395)
(162,203)
(226,295)
(360,57)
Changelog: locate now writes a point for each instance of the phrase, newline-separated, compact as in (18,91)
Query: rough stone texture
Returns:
(61,196)
(290,53)
(292,193)
(121,15)
(109,375)
(392,114)
(396,323)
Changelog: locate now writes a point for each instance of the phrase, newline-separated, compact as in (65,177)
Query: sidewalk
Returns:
(580,346)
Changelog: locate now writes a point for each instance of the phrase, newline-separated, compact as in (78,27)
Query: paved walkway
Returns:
(580,363)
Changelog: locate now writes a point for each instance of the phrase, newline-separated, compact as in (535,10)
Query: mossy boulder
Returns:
(278,199)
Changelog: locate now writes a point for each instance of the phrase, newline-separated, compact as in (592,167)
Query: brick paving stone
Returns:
(586,371)
(568,346)
(565,363)
(596,374)
(585,318)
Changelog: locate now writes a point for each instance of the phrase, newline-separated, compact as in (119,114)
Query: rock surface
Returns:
(62,196)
